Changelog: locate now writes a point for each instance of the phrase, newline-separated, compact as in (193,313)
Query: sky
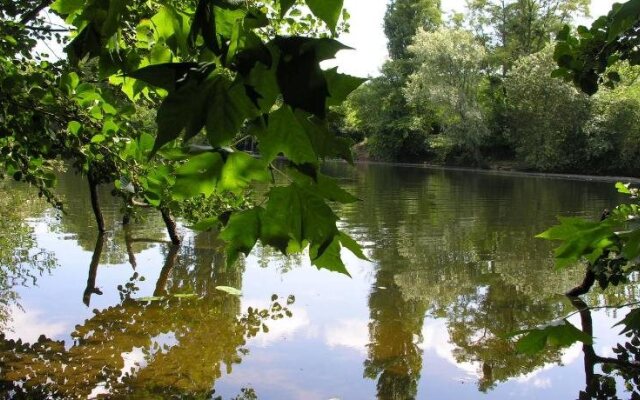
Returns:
(367,37)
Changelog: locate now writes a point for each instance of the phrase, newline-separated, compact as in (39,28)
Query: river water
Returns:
(454,269)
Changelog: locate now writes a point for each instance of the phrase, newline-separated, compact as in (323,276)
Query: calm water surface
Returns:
(454,268)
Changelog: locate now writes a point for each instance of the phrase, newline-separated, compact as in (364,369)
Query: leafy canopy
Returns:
(218,72)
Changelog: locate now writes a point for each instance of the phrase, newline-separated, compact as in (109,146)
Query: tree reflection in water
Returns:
(626,364)
(22,261)
(462,248)
(177,343)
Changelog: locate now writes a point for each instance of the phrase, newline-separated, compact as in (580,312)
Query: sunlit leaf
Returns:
(230,290)
(559,334)
(198,176)
(340,86)
(65,7)
(327,10)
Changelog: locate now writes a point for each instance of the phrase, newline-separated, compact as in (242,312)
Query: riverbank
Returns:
(499,169)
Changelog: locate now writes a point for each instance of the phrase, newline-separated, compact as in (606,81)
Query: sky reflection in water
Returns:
(454,268)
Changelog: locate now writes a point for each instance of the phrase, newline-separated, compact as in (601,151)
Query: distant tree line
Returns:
(478,89)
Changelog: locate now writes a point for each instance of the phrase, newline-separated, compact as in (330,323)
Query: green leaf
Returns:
(581,238)
(624,18)
(347,242)
(285,135)
(166,76)
(230,290)
(265,91)
(98,139)
(182,110)
(324,186)
(198,176)
(69,82)
(295,215)
(327,10)
(206,224)
(66,7)
(207,172)
(242,233)
(327,256)
(171,27)
(631,240)
(560,334)
(623,188)
(227,108)
(340,86)
(74,127)
(239,170)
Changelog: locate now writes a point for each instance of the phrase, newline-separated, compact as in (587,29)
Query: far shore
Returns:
(495,170)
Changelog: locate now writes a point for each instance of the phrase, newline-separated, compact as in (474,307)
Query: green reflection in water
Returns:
(21,260)
(176,343)
(78,223)
(453,245)
(461,246)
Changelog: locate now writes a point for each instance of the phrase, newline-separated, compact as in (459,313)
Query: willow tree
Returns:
(448,81)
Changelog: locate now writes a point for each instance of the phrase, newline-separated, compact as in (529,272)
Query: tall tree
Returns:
(402,20)
(516,28)
(379,108)
(448,81)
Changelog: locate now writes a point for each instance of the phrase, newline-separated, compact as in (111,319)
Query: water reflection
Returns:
(460,248)
(22,261)
(453,253)
(176,343)
(625,364)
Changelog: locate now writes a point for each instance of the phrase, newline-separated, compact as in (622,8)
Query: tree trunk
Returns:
(128,240)
(161,283)
(95,201)
(585,286)
(171,226)
(93,271)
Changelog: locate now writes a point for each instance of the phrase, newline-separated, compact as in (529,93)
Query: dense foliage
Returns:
(218,72)
(448,81)
(406,114)
(609,248)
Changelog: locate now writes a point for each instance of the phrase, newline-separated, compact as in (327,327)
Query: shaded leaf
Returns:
(166,76)
(242,233)
(227,108)
(285,135)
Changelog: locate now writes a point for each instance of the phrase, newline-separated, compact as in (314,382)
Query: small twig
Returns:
(635,303)
(46,29)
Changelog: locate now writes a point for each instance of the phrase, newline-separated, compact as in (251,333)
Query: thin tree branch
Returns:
(32,14)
